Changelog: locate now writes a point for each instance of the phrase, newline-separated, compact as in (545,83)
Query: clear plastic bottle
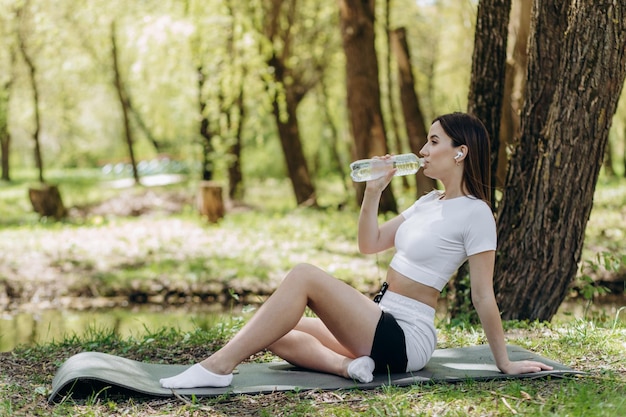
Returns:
(370,169)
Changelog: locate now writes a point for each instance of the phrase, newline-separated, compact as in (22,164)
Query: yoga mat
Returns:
(92,373)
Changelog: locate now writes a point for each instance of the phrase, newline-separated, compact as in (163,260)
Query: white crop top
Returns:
(437,236)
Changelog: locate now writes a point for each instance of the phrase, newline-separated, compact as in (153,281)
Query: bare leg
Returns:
(347,314)
(303,349)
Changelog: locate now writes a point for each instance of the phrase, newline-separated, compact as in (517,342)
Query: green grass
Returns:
(588,346)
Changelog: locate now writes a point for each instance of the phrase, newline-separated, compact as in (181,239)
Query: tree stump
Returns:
(210,201)
(46,201)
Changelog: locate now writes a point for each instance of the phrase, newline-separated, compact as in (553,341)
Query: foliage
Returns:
(162,44)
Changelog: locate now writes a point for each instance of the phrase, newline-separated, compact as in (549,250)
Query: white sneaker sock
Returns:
(196,376)
(362,369)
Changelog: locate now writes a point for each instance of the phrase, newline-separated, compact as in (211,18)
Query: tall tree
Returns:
(5,99)
(363,88)
(285,29)
(577,67)
(517,62)
(5,135)
(235,121)
(27,55)
(391,103)
(124,101)
(7,65)
(413,116)
(489,70)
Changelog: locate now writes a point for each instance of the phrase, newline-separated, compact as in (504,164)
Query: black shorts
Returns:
(389,347)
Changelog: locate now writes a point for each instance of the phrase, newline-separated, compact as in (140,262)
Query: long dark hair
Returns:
(468,130)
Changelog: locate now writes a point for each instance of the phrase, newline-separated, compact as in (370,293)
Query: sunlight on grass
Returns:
(585,345)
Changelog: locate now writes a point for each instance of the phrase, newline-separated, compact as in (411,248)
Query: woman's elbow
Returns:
(366,249)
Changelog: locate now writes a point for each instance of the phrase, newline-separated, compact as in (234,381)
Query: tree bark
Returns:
(205,132)
(235,128)
(235,175)
(287,95)
(289,133)
(515,83)
(393,112)
(577,67)
(489,71)
(413,116)
(5,135)
(363,88)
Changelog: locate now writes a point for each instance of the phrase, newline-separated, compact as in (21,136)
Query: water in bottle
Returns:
(370,169)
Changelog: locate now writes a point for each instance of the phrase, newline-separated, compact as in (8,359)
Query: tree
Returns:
(576,71)
(5,135)
(489,70)
(124,101)
(517,62)
(284,27)
(363,90)
(413,117)
(27,55)
(7,57)
(45,199)
(5,99)
(393,113)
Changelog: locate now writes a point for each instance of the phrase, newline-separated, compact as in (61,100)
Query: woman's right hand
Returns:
(379,184)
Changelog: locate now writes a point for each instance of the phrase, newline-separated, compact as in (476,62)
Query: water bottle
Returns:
(370,169)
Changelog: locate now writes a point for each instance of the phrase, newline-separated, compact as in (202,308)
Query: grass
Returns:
(98,254)
(584,345)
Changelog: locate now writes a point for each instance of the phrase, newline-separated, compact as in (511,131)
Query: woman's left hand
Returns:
(524,367)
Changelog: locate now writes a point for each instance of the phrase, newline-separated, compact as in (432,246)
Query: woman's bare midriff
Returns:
(402,285)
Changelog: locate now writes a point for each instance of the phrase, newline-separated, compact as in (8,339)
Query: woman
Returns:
(354,337)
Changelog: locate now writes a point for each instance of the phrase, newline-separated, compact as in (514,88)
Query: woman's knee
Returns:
(302,271)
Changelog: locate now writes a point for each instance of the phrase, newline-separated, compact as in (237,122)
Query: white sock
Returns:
(196,376)
(362,369)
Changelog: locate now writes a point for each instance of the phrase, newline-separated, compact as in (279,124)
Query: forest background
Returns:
(221,89)
(268,102)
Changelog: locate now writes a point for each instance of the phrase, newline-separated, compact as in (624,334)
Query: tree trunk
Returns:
(205,131)
(576,73)
(5,135)
(489,71)
(393,113)
(124,103)
(624,155)
(608,161)
(235,128)
(363,89)
(515,83)
(334,136)
(413,116)
(287,93)
(32,75)
(289,134)
(5,141)
(235,175)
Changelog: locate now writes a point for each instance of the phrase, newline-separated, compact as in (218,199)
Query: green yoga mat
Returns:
(89,373)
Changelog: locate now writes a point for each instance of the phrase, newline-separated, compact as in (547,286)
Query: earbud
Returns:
(458,155)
